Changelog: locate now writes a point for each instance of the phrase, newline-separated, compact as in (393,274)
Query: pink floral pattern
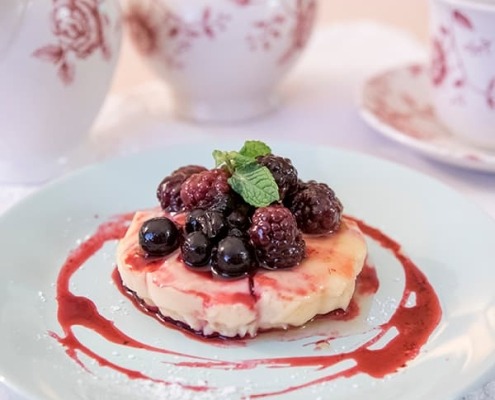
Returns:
(80,29)
(462,19)
(396,104)
(447,65)
(304,15)
(490,95)
(400,109)
(439,64)
(267,31)
(153,25)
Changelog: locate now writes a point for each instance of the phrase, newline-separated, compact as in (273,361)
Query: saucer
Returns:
(397,104)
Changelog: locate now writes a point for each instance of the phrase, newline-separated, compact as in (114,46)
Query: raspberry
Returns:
(205,189)
(168,191)
(277,241)
(283,172)
(316,208)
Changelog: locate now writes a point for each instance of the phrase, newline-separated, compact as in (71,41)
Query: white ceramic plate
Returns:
(398,105)
(450,239)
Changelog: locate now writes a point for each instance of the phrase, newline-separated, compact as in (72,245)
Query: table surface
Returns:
(319,99)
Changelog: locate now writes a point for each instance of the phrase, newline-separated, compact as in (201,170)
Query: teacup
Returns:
(56,60)
(223,59)
(463,68)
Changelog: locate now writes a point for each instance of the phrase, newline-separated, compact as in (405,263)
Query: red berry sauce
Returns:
(414,323)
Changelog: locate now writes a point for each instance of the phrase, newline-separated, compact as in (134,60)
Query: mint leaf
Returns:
(255,184)
(225,158)
(231,159)
(221,157)
(254,148)
(241,161)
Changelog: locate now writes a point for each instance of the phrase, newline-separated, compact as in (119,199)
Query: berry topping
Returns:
(168,191)
(316,208)
(277,241)
(238,233)
(204,189)
(211,223)
(159,237)
(225,204)
(248,178)
(233,258)
(240,217)
(196,249)
(283,172)
(251,210)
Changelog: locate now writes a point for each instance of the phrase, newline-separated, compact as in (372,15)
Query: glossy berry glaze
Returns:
(414,323)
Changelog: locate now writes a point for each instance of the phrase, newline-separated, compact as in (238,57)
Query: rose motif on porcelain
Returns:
(80,29)
(438,64)
(152,22)
(462,73)
(456,44)
(156,28)
(222,59)
(59,59)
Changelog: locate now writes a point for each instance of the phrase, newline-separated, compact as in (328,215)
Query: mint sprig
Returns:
(252,181)
(255,184)
(254,148)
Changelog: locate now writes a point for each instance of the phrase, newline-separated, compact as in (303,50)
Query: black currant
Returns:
(159,237)
(210,223)
(233,258)
(196,249)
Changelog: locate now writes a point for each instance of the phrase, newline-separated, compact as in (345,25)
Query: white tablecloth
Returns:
(319,106)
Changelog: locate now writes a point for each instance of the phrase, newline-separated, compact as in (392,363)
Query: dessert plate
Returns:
(397,104)
(449,238)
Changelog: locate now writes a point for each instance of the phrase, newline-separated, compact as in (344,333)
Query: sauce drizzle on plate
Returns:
(414,323)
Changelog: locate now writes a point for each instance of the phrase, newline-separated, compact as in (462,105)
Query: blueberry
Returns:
(238,233)
(194,220)
(233,258)
(211,223)
(196,249)
(159,237)
(239,218)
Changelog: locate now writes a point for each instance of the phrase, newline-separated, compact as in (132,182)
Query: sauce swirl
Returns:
(414,323)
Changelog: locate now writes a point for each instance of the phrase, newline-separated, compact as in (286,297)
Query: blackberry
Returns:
(204,189)
(159,237)
(189,170)
(277,241)
(233,258)
(316,208)
(168,191)
(283,172)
